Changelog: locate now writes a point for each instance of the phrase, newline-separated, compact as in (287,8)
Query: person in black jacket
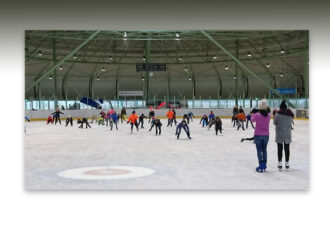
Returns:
(84,120)
(141,120)
(56,115)
(218,125)
(182,125)
(158,124)
(151,115)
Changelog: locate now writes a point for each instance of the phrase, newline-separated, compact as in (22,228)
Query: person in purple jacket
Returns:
(261,134)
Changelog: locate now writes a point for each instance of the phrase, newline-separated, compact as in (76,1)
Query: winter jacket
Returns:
(133,118)
(262,124)
(241,116)
(170,114)
(282,122)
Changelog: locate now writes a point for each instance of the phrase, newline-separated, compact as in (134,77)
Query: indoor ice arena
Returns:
(166,110)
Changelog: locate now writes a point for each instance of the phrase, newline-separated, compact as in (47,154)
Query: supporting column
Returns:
(236,74)
(306,81)
(54,73)
(146,73)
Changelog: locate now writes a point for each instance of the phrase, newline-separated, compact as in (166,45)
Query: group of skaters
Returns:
(283,120)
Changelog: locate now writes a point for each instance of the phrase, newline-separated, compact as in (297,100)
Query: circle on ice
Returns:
(105,172)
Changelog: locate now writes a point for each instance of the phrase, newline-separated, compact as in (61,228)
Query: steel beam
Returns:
(236,73)
(241,64)
(146,73)
(64,59)
(306,81)
(54,73)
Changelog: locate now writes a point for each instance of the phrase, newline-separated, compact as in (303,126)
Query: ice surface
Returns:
(206,162)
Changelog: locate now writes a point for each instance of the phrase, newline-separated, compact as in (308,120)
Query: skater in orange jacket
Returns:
(133,118)
(170,116)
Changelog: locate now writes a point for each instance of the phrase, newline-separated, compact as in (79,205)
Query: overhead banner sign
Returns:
(285,90)
(150,67)
(130,93)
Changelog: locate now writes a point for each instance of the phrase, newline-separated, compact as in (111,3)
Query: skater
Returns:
(248,120)
(50,119)
(102,114)
(113,120)
(211,122)
(204,120)
(190,116)
(261,134)
(123,114)
(84,121)
(69,120)
(218,125)
(141,120)
(182,125)
(151,114)
(282,121)
(174,116)
(241,118)
(133,120)
(57,116)
(170,117)
(185,117)
(235,112)
(101,121)
(27,119)
(158,124)
(211,115)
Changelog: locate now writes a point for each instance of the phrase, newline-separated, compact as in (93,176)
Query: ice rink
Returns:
(206,162)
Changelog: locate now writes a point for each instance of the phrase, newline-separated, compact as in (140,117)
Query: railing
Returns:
(49,103)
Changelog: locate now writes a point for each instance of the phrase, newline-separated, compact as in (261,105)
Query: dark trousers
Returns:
(247,123)
(136,125)
(280,150)
(158,128)
(218,129)
(170,122)
(141,122)
(57,119)
(82,123)
(69,121)
(178,131)
(111,124)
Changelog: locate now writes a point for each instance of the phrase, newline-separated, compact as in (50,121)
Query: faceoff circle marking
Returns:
(106,172)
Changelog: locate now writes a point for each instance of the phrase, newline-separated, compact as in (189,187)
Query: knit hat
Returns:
(283,105)
(263,105)
(133,111)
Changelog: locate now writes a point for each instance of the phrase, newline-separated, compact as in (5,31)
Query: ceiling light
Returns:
(40,54)
(234,78)
(98,78)
(151,74)
(61,67)
(215,57)
(185,69)
(142,78)
(110,58)
(177,34)
(75,56)
(180,58)
(282,51)
(144,58)
(103,69)
(50,77)
(125,35)
(249,54)
(189,78)
(226,68)
(268,65)
(281,75)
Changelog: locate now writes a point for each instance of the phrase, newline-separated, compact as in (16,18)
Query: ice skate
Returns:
(279,165)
